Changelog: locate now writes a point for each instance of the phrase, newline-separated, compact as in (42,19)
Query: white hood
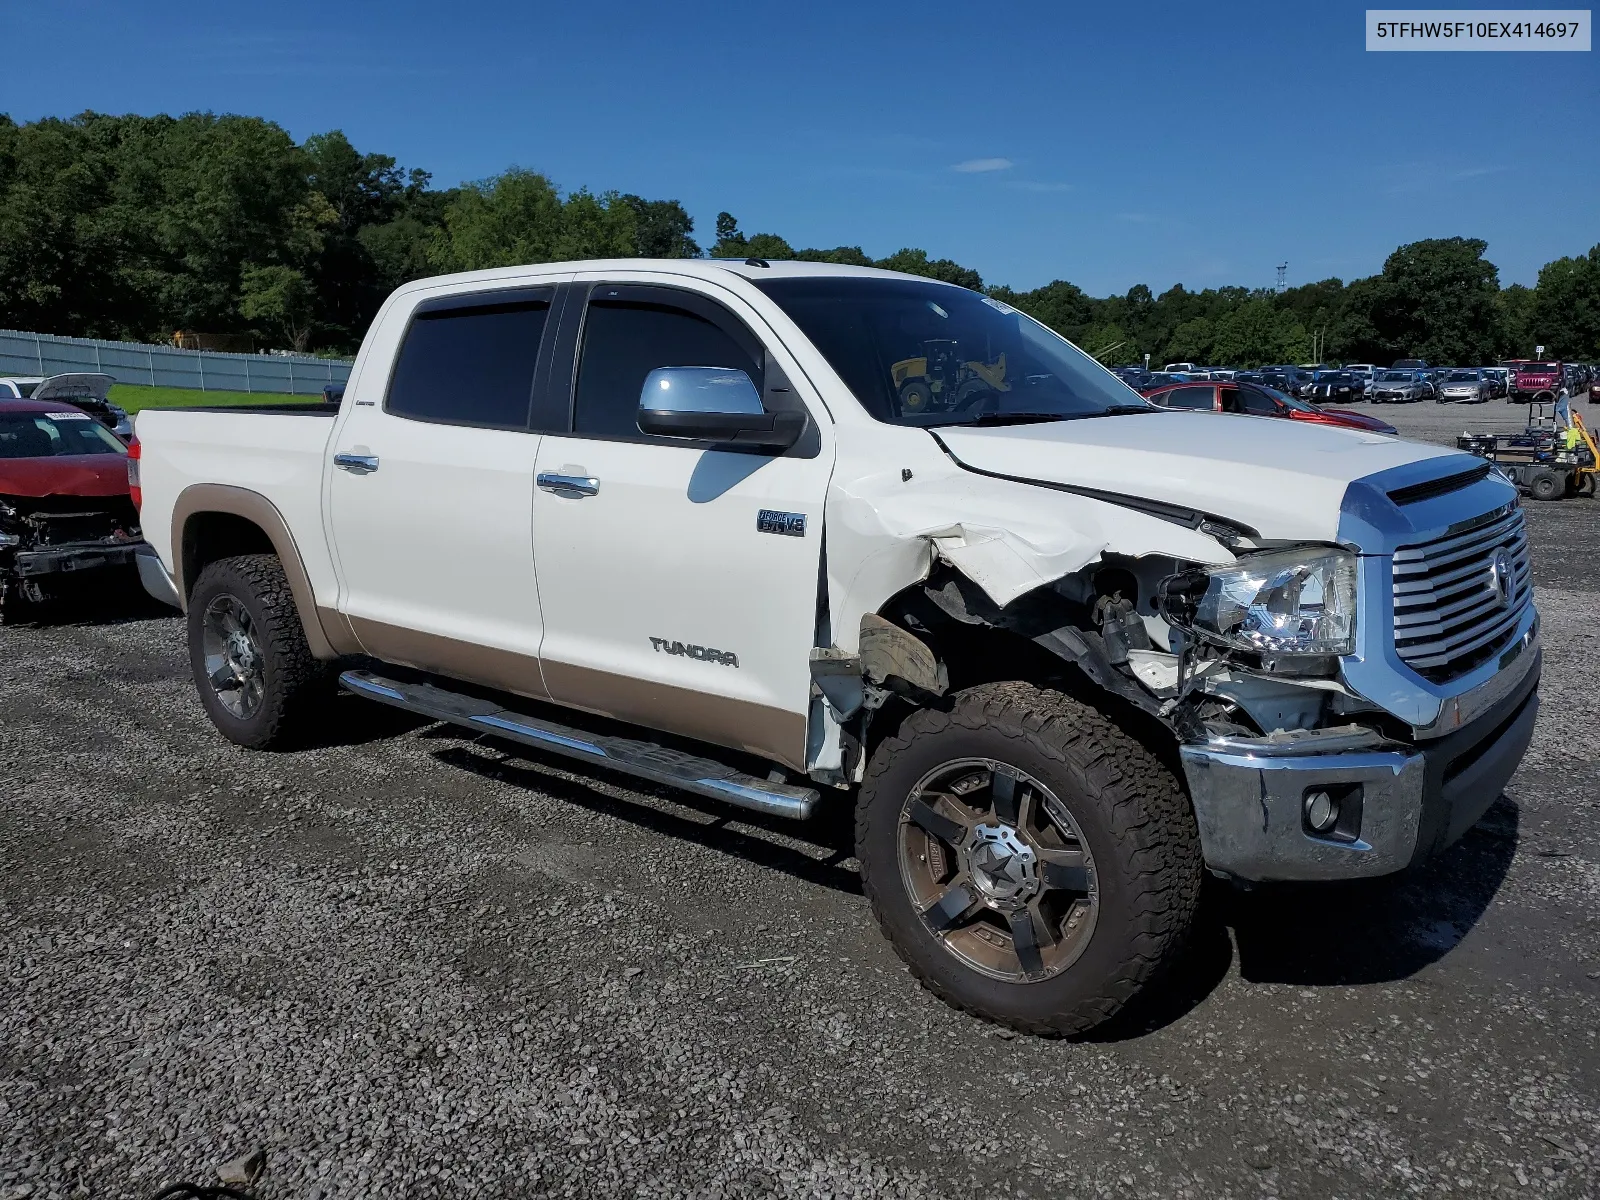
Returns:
(1285,479)
(76,385)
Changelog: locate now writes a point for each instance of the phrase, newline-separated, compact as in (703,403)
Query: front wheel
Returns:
(247,649)
(1028,860)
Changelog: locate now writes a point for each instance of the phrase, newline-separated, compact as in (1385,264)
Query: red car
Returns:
(64,501)
(1536,381)
(1253,399)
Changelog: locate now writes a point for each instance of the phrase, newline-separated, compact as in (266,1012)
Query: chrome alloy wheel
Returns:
(235,666)
(998,869)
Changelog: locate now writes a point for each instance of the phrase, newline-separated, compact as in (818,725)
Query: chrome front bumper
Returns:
(1411,799)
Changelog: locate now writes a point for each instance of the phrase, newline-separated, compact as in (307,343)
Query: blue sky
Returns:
(1108,145)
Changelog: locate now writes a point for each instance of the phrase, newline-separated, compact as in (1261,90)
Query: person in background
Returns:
(1563,409)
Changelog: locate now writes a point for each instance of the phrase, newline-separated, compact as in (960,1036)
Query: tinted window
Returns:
(623,341)
(1256,403)
(1190,397)
(470,366)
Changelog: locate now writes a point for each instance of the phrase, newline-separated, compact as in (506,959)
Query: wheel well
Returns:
(210,536)
(990,647)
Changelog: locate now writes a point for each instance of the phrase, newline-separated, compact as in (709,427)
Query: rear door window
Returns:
(471,360)
(1191,397)
(1256,403)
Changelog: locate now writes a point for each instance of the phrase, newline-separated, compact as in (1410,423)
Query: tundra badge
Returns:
(703,653)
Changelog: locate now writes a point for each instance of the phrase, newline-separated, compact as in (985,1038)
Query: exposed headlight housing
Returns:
(1275,603)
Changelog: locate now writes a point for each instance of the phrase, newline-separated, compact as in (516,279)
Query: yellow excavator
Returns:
(939,381)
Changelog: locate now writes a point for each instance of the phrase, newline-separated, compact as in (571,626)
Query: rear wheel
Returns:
(247,649)
(1028,860)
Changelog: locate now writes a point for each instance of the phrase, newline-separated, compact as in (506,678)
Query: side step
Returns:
(703,776)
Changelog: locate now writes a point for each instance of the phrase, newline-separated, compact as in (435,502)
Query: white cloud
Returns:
(974,165)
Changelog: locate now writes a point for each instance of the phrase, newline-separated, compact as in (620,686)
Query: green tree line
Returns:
(135,227)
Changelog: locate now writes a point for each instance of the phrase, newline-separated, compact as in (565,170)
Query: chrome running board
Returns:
(659,764)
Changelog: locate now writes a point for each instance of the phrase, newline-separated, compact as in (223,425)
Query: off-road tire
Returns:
(1134,816)
(296,686)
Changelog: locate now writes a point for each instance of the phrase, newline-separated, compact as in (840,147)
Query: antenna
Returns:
(1283,270)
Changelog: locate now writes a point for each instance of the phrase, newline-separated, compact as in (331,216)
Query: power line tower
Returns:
(1283,272)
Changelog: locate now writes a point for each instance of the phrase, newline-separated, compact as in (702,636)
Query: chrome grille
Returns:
(1450,614)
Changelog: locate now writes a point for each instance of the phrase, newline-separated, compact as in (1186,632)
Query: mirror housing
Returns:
(713,404)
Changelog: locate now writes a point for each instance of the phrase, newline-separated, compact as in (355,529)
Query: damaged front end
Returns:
(1292,683)
(48,541)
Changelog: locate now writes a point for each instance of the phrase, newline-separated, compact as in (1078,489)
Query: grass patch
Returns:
(133,397)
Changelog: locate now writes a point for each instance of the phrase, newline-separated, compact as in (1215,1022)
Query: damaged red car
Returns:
(65,508)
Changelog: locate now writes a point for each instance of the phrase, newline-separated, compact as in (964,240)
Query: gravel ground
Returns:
(412,963)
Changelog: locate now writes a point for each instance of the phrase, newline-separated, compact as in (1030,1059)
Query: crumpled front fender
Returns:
(885,533)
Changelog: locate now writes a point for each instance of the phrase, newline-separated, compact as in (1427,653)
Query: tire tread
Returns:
(1146,807)
(294,676)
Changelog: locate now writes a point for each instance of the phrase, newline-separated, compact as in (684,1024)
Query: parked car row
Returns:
(1258,400)
(1409,380)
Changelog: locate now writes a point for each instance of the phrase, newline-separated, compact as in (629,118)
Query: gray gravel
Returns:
(420,964)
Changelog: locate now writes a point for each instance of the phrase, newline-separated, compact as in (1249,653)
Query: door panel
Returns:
(439,539)
(664,602)
(430,490)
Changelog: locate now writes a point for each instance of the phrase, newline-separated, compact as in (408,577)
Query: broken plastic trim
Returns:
(1177,514)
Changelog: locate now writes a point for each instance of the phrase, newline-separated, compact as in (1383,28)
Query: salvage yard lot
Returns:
(413,963)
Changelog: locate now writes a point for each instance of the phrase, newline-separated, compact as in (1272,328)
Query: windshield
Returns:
(1540,368)
(50,435)
(1395,377)
(919,353)
(1463,377)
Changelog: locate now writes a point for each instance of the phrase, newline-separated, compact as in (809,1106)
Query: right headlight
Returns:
(1279,602)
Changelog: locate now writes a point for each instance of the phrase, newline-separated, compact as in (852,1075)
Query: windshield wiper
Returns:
(1007,418)
(1121,410)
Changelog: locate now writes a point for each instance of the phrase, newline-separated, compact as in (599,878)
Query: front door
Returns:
(678,581)
(431,493)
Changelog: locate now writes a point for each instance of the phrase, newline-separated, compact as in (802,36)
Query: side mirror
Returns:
(713,404)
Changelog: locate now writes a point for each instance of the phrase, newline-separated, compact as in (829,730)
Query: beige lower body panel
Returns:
(482,665)
(758,729)
(721,720)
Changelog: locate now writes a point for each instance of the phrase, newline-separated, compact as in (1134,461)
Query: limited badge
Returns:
(789,524)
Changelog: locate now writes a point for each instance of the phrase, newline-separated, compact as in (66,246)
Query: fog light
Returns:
(1322,811)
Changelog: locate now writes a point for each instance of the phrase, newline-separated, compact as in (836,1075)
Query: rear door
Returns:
(430,490)
(679,581)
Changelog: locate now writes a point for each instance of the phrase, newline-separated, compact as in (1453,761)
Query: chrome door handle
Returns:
(569,485)
(363,463)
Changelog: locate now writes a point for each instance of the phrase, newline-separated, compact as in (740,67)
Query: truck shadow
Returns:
(1333,934)
(118,600)
(1307,935)
(1381,930)
(819,851)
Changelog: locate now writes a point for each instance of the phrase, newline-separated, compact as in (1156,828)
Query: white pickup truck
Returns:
(789,534)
